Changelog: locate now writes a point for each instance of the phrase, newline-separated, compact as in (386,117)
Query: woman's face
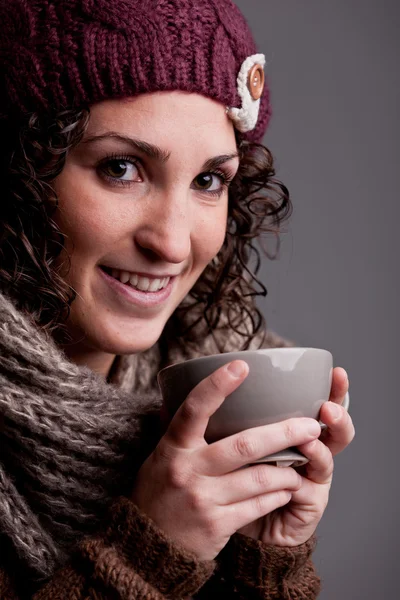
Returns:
(143,201)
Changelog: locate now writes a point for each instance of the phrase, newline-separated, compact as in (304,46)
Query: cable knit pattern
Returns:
(57,54)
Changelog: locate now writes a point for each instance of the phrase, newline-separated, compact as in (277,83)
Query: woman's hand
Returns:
(197,493)
(295,523)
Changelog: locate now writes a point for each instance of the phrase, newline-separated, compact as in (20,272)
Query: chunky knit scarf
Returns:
(69,441)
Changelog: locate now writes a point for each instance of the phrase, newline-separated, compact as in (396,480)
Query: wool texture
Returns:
(62,54)
(134,560)
(71,442)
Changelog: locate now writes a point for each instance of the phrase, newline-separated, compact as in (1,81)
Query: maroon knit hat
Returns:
(60,54)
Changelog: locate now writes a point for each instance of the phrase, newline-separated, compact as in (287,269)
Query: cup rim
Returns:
(265,350)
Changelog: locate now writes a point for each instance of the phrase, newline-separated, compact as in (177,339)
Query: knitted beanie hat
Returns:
(61,54)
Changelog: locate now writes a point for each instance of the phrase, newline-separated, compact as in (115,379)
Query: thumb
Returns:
(190,422)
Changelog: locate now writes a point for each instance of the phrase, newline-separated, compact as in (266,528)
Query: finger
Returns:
(250,445)
(248,511)
(340,429)
(319,469)
(254,481)
(340,385)
(189,423)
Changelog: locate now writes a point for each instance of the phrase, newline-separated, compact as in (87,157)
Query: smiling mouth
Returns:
(143,284)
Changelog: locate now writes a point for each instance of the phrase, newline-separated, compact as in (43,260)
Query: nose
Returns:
(166,226)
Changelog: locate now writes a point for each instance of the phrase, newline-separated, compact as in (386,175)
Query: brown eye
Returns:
(122,169)
(208,182)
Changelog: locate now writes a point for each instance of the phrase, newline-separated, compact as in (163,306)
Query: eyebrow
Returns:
(156,152)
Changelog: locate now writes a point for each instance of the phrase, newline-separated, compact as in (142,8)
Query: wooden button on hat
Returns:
(256,81)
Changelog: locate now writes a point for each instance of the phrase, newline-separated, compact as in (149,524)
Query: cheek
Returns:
(210,236)
(81,216)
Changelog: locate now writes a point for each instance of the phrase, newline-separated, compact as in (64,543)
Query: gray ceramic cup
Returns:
(282,383)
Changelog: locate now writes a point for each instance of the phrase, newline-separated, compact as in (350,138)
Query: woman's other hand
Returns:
(198,494)
(295,523)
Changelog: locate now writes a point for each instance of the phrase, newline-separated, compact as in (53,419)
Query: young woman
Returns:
(133,185)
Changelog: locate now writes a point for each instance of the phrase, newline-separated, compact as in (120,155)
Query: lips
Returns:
(142,299)
(138,282)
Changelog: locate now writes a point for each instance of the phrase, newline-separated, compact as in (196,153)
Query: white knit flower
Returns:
(245,118)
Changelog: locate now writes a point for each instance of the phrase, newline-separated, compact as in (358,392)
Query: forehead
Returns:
(168,119)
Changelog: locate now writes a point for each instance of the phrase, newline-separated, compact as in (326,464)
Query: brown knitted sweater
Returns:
(127,556)
(132,559)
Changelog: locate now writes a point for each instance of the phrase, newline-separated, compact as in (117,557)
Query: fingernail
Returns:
(336,411)
(236,368)
(314,427)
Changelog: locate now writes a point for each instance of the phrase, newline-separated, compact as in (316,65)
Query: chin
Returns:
(124,339)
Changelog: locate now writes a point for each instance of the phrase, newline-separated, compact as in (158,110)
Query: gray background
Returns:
(334,73)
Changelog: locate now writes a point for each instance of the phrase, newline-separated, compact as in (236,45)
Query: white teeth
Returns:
(154,285)
(134,280)
(124,276)
(141,283)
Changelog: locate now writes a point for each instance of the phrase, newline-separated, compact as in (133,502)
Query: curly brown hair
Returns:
(33,153)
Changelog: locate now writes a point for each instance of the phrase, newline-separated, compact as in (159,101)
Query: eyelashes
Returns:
(225,178)
(116,158)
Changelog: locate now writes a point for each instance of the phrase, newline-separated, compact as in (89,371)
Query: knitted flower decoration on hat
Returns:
(61,54)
